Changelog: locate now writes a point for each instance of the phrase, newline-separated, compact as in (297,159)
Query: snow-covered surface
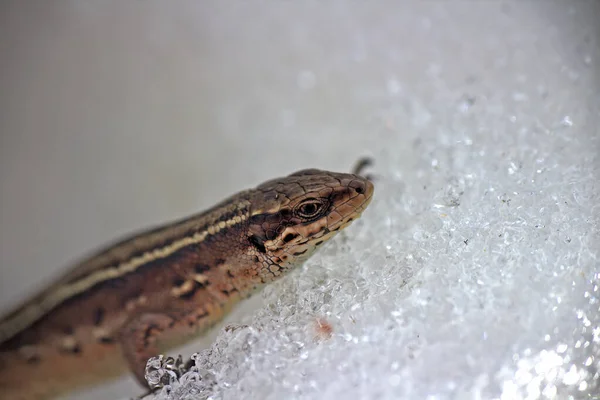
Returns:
(473,274)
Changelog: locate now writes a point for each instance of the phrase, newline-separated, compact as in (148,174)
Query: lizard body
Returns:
(158,289)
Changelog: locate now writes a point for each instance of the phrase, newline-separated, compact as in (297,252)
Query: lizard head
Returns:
(292,216)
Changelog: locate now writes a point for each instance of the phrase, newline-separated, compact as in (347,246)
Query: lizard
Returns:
(160,288)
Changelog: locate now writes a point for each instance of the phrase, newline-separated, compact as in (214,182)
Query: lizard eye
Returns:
(310,208)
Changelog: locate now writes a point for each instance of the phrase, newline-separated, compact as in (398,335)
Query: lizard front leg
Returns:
(139,340)
(150,333)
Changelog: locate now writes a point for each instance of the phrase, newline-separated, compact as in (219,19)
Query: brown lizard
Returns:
(160,288)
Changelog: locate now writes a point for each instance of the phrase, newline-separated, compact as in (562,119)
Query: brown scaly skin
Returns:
(158,289)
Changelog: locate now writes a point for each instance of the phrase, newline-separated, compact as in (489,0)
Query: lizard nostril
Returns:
(359,186)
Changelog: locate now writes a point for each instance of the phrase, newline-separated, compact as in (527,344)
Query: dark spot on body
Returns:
(207,240)
(201,315)
(255,259)
(271,234)
(229,274)
(257,243)
(289,237)
(106,340)
(35,359)
(202,285)
(320,242)
(299,253)
(76,349)
(187,295)
(350,219)
(150,331)
(98,316)
(178,281)
(201,268)
(228,292)
(219,261)
(116,283)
